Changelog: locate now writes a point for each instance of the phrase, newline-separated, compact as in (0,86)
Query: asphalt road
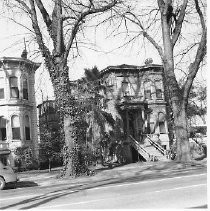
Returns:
(180,190)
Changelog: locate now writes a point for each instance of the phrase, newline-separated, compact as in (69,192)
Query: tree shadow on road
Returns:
(21,184)
(199,207)
(143,174)
(24,184)
(50,196)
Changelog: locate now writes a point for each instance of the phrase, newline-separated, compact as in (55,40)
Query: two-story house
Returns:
(18,116)
(136,93)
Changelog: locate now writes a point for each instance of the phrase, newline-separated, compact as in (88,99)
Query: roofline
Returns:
(45,101)
(130,67)
(19,59)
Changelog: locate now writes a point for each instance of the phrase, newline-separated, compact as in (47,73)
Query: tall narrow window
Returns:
(1,88)
(147,90)
(161,123)
(15,127)
(151,127)
(25,89)
(3,133)
(27,128)
(125,88)
(14,91)
(158,87)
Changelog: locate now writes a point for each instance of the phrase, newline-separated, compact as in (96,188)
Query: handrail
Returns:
(157,146)
(137,143)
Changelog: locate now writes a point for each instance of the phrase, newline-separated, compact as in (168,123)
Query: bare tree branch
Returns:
(200,54)
(21,2)
(81,18)
(46,18)
(179,22)
(145,33)
(39,38)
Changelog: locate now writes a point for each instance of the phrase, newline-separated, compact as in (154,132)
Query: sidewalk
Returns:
(131,171)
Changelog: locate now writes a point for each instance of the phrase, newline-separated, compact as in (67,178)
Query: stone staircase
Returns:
(150,150)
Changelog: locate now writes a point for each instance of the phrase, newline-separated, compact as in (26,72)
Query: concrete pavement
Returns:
(137,185)
(144,170)
(176,191)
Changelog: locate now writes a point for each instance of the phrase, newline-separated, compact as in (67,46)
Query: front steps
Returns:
(150,150)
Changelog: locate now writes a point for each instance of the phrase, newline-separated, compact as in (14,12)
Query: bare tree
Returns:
(63,24)
(173,17)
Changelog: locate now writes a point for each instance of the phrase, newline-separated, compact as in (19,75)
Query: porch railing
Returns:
(139,148)
(156,145)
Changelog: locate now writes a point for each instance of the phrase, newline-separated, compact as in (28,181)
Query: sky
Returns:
(12,44)
(106,53)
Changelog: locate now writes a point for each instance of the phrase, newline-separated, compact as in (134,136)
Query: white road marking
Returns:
(19,197)
(125,196)
(178,188)
(150,181)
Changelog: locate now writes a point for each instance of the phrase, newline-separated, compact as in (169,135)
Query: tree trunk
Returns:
(181,133)
(70,142)
(66,109)
(178,106)
(49,165)
(173,92)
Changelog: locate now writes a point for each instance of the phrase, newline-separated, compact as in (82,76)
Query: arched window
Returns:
(15,127)
(3,133)
(27,128)
(147,90)
(161,123)
(1,88)
(25,88)
(14,91)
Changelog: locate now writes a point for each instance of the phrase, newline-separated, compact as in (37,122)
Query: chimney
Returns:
(24,53)
(148,61)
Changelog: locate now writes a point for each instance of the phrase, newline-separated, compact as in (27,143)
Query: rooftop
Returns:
(130,67)
(20,59)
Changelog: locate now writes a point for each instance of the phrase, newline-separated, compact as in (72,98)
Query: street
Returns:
(180,190)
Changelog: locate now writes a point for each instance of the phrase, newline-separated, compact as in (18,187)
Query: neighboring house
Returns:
(18,116)
(137,94)
(48,115)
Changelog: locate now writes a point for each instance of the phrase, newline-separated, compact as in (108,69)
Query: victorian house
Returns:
(136,93)
(18,117)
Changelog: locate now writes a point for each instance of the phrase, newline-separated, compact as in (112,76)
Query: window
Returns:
(2,88)
(3,159)
(14,91)
(111,81)
(125,88)
(162,127)
(151,127)
(25,89)
(27,128)
(159,92)
(15,127)
(3,133)
(161,123)
(147,94)
(147,90)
